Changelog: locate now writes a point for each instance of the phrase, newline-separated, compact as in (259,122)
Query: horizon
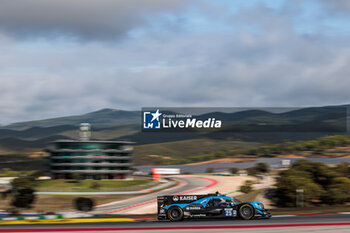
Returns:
(202,110)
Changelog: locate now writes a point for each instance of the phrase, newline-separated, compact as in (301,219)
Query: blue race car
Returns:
(178,207)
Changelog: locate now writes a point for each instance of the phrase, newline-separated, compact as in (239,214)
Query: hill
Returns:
(172,152)
(11,143)
(99,119)
(36,132)
(248,127)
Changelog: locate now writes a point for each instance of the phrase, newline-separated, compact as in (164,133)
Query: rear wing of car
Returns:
(160,203)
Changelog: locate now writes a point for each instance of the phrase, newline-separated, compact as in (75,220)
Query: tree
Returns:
(343,169)
(259,168)
(234,170)
(319,172)
(23,192)
(247,187)
(320,183)
(84,204)
(36,174)
(26,182)
(339,191)
(262,167)
(23,198)
(287,186)
(252,151)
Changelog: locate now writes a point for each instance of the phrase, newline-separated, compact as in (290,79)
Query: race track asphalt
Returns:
(188,183)
(335,223)
(309,223)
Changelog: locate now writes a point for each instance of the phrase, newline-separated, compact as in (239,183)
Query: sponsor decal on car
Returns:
(193,208)
(184,198)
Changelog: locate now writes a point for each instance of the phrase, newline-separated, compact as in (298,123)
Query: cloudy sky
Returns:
(63,57)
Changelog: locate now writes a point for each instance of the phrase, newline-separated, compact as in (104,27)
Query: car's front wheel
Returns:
(246,211)
(175,214)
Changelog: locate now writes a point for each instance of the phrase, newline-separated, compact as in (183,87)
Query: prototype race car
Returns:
(178,207)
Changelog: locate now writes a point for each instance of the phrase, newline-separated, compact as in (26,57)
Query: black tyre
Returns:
(246,211)
(175,214)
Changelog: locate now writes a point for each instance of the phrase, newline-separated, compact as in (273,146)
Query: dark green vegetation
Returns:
(234,170)
(23,198)
(247,187)
(83,204)
(23,188)
(314,147)
(322,185)
(255,133)
(259,168)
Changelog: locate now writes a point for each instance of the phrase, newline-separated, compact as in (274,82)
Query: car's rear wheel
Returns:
(246,211)
(175,214)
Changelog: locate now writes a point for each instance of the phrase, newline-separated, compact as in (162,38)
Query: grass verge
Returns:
(93,185)
(54,203)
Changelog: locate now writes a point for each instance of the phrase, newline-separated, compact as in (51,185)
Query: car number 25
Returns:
(230,212)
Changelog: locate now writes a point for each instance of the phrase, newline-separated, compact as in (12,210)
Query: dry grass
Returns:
(144,154)
(250,196)
(225,160)
(88,185)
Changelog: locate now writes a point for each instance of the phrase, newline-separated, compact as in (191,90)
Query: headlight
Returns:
(161,211)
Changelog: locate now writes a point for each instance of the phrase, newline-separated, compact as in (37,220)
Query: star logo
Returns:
(156,115)
(152,120)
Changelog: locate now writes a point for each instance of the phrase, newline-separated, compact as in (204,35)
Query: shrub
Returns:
(321,184)
(259,168)
(234,170)
(343,169)
(26,182)
(287,186)
(262,167)
(23,198)
(247,187)
(339,191)
(209,170)
(83,204)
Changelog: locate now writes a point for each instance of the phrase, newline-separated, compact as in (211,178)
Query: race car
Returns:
(178,207)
